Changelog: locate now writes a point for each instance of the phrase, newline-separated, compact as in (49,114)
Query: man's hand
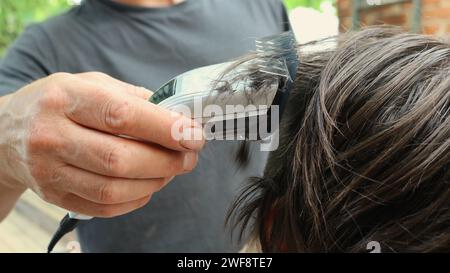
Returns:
(91,144)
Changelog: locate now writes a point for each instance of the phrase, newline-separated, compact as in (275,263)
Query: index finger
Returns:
(116,84)
(119,113)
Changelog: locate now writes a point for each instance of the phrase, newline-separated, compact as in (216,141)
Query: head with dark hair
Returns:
(364,151)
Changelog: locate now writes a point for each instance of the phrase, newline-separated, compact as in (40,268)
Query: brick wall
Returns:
(435,17)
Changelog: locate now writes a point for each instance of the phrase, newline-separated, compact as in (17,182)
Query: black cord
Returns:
(66,225)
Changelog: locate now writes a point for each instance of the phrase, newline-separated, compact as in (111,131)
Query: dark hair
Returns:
(364,150)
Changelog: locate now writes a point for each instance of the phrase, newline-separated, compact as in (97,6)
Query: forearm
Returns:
(8,198)
(8,194)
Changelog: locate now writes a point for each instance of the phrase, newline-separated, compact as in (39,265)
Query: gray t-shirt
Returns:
(147,47)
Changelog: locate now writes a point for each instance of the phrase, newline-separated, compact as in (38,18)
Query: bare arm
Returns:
(8,198)
(8,194)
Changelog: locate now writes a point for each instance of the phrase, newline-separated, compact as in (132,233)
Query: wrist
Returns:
(4,100)
(8,183)
(8,199)
(10,190)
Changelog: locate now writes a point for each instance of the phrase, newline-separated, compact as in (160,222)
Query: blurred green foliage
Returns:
(16,14)
(315,4)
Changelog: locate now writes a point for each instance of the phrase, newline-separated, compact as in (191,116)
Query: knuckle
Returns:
(60,76)
(38,172)
(48,180)
(114,162)
(97,74)
(41,138)
(53,96)
(48,195)
(58,176)
(108,194)
(176,164)
(117,116)
(140,92)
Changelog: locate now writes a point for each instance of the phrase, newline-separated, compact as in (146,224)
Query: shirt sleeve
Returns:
(28,59)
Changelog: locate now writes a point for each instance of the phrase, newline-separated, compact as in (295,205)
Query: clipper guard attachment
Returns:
(277,55)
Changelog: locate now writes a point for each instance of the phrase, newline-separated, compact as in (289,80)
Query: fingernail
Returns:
(190,160)
(193,138)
